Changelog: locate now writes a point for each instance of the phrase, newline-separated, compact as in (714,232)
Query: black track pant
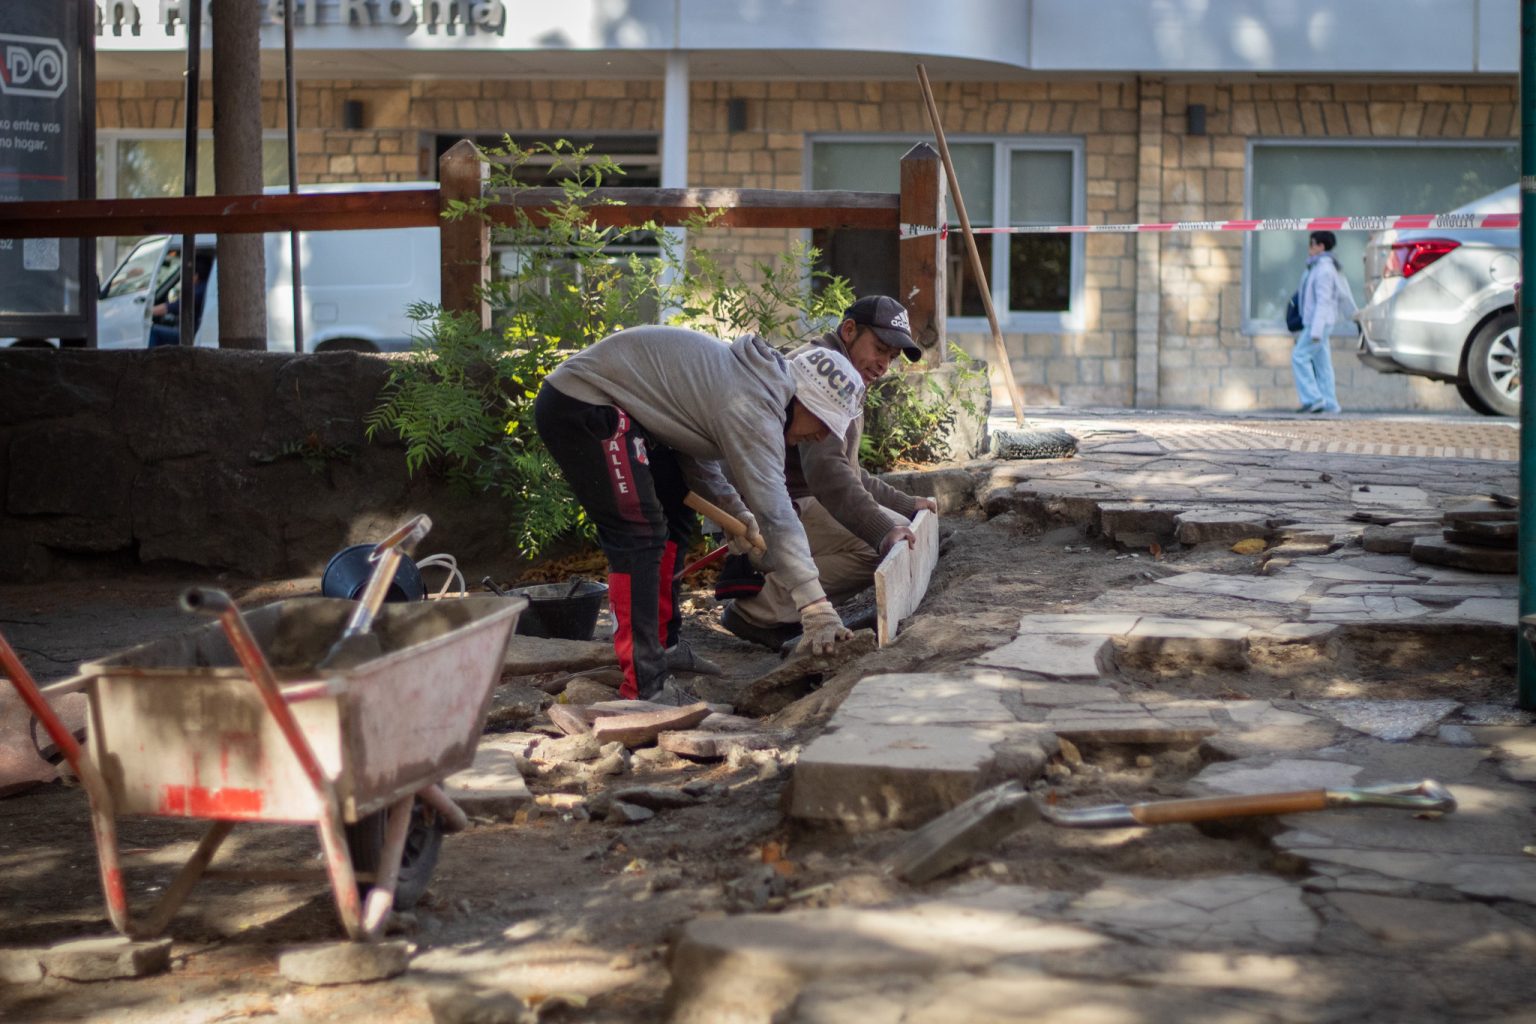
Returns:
(632,489)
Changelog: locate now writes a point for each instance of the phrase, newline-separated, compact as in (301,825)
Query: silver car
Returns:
(1441,304)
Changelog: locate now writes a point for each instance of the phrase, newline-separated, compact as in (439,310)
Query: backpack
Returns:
(1293,314)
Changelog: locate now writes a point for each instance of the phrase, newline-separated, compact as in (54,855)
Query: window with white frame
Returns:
(1036,280)
(145,165)
(1339,179)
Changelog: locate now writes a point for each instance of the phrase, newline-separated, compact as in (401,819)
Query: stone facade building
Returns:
(1219,113)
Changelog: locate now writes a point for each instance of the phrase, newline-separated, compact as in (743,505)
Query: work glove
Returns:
(820,628)
(752,541)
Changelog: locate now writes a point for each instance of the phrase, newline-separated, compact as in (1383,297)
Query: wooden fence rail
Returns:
(465,242)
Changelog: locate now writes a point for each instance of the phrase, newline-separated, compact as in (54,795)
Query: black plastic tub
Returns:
(555,610)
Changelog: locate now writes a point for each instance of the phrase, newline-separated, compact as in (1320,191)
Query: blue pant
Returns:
(1312,366)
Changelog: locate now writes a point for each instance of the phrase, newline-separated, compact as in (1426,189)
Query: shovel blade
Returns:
(960,833)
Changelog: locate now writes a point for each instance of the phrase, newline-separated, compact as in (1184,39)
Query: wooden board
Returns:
(902,577)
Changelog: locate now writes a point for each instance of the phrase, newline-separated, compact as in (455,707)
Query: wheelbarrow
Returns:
(232,722)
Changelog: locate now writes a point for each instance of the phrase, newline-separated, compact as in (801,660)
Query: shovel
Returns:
(991,816)
(356,644)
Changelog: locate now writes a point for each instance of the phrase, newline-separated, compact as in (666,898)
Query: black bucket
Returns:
(555,610)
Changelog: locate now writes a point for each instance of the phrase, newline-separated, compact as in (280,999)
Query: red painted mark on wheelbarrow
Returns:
(201,802)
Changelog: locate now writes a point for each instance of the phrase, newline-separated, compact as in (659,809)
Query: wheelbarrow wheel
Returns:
(365,840)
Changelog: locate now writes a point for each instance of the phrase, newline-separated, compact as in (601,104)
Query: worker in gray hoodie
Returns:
(649,413)
(851,518)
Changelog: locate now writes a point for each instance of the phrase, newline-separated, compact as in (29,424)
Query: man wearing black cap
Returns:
(851,519)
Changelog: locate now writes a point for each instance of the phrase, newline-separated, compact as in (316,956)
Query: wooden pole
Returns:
(466,242)
(923,257)
(1014,394)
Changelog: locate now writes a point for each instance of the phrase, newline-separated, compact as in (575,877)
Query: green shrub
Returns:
(908,414)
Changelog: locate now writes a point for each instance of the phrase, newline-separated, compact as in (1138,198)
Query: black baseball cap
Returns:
(888,319)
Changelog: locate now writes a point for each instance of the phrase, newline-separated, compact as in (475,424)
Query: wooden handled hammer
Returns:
(732,526)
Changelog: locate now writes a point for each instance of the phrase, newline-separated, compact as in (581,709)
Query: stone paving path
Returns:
(1361,915)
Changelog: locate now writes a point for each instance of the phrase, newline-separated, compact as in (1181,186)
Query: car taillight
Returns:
(1408,258)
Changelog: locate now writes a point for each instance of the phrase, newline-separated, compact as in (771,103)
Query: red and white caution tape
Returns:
(1430,221)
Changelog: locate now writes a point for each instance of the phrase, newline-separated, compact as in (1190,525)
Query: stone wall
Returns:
(254,463)
(1163,323)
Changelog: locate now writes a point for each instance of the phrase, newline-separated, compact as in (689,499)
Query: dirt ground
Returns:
(572,906)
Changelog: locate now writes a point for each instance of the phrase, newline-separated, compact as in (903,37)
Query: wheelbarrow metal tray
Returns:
(179,730)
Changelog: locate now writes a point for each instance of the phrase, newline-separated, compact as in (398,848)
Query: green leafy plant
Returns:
(909,414)
(462,400)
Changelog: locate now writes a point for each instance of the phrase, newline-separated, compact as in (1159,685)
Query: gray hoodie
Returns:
(709,402)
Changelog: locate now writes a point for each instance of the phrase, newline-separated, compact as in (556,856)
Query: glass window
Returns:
(137,272)
(1333,180)
(1035,182)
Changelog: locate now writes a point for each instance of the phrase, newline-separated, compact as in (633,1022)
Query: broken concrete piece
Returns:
(901,578)
(571,748)
(568,720)
(704,745)
(623,813)
(1394,721)
(801,674)
(1391,540)
(955,836)
(344,963)
(107,958)
(640,729)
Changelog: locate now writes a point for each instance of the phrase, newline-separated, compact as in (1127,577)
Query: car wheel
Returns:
(1474,402)
(347,345)
(423,841)
(1493,366)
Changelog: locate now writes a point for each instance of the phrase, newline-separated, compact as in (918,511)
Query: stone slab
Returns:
(1366,609)
(1514,749)
(1434,924)
(1495,611)
(924,698)
(527,655)
(1131,723)
(1384,495)
(1189,629)
(1251,912)
(1274,590)
(1339,571)
(1202,526)
(872,776)
(1439,551)
(751,967)
(1420,591)
(1280,775)
(344,963)
(901,578)
(1112,624)
(105,959)
(1052,655)
(1394,721)
(639,729)
(20,966)
(493,785)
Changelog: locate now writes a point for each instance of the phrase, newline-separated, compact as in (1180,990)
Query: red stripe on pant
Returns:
(621,478)
(668,585)
(623,637)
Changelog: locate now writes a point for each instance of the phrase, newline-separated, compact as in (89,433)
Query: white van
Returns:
(356,285)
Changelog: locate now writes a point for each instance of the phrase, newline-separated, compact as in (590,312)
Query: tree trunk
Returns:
(237,168)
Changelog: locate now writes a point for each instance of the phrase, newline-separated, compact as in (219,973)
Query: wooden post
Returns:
(465,242)
(923,258)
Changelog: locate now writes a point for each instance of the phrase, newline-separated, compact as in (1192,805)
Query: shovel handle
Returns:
(386,558)
(1211,808)
(732,526)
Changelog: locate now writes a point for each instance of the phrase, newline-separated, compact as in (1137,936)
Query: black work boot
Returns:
(771,637)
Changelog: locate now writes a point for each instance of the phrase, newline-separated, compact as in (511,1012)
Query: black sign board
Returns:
(47,152)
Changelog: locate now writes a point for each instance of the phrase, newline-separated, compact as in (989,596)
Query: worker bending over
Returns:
(649,413)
